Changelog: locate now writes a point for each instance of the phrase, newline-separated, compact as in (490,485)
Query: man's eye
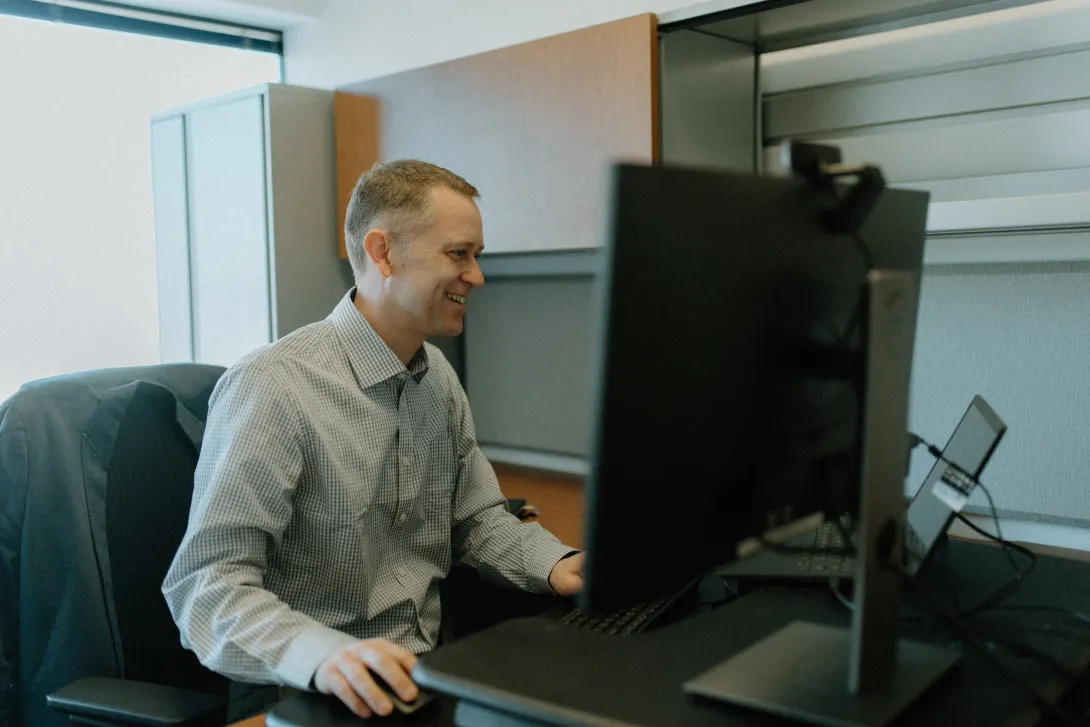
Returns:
(458,253)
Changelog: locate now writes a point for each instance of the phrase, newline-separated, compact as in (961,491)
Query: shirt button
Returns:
(402,572)
(403,517)
(406,460)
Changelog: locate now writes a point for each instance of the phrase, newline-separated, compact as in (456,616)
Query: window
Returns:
(77,244)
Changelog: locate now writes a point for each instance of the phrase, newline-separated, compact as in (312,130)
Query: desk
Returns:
(542,671)
(318,710)
(537,668)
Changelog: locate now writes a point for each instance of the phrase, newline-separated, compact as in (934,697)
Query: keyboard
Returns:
(631,620)
(829,538)
(624,622)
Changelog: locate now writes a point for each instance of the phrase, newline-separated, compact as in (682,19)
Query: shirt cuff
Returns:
(541,561)
(306,653)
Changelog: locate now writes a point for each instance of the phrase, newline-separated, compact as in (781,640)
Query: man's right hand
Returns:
(346,673)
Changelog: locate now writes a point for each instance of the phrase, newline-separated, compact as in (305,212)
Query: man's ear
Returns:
(376,245)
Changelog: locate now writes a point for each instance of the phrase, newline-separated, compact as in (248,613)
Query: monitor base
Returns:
(801,672)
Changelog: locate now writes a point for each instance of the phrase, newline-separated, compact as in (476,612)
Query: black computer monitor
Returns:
(753,369)
(729,368)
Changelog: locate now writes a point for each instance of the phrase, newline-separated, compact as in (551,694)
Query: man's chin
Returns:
(449,331)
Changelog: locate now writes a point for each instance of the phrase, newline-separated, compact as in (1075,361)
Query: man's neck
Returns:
(403,344)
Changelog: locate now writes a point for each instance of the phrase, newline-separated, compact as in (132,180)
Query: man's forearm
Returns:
(238,629)
(506,550)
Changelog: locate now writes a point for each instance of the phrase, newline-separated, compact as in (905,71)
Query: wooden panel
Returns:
(534,127)
(558,497)
(258,721)
(355,132)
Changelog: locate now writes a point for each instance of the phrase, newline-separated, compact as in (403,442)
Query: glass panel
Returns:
(77,240)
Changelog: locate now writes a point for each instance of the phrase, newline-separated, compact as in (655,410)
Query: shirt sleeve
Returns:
(485,535)
(250,462)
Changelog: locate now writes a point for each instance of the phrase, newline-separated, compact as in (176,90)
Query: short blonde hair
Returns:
(397,197)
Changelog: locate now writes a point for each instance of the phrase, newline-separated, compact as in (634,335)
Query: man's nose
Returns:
(474,276)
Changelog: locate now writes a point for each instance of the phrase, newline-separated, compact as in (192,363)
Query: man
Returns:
(340,477)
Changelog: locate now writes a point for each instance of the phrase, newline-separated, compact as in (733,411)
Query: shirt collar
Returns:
(372,360)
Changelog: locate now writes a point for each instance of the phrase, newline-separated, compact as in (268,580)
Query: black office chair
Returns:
(114,453)
(149,487)
(96,476)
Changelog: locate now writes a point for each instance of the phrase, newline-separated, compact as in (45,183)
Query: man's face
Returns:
(436,270)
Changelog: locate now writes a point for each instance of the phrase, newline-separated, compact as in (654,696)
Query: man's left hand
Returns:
(566,577)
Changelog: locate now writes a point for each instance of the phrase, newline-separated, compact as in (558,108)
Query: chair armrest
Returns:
(522,509)
(101,700)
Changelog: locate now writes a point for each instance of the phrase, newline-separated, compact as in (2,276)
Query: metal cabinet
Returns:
(245,221)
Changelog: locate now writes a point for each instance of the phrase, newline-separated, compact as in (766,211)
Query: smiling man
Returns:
(340,476)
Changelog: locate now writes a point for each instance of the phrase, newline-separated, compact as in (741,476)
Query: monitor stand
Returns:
(801,672)
(863,676)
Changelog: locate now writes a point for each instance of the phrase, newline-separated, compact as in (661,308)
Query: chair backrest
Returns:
(79,587)
(149,487)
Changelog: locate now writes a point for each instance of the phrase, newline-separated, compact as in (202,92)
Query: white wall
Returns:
(360,39)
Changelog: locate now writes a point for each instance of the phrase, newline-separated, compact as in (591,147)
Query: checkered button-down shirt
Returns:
(334,489)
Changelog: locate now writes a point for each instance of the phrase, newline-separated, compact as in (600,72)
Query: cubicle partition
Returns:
(982,103)
(983,110)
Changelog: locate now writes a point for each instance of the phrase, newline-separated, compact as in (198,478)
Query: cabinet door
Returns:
(171,240)
(534,127)
(228,226)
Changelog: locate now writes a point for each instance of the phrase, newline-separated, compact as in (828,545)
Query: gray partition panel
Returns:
(708,101)
(1015,335)
(985,87)
(527,350)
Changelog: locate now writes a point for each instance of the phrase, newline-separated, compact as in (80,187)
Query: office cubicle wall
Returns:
(998,139)
(528,347)
(530,331)
(988,113)
(708,101)
(1014,333)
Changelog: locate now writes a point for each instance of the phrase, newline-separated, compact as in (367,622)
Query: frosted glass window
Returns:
(77,243)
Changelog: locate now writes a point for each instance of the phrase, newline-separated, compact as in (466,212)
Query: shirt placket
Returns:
(407,469)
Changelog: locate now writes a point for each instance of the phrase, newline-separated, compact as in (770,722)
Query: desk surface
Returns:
(309,709)
(546,671)
(537,667)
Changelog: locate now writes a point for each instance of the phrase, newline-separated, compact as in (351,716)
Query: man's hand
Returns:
(346,674)
(566,577)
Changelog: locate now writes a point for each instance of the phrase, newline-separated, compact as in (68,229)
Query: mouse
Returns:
(422,700)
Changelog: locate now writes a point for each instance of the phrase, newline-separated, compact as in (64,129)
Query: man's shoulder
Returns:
(312,346)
